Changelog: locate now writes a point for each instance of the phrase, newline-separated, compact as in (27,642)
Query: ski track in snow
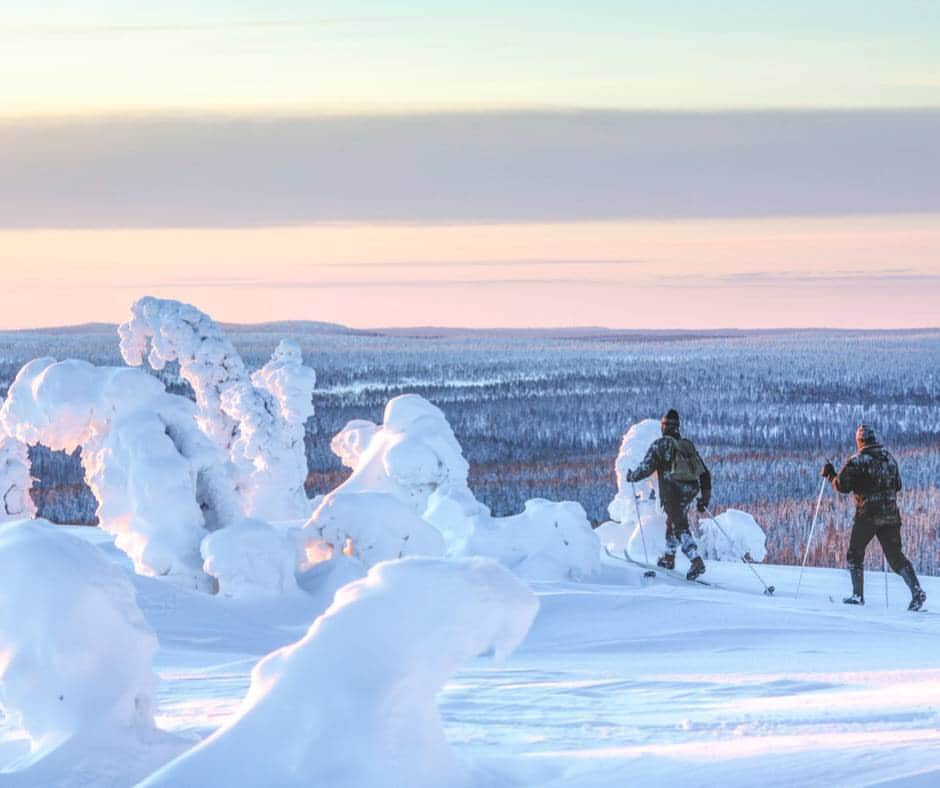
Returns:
(630,682)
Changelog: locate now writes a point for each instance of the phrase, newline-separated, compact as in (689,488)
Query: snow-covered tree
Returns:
(401,470)
(15,480)
(408,495)
(157,479)
(258,420)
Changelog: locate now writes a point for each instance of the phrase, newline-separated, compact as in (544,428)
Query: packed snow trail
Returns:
(621,682)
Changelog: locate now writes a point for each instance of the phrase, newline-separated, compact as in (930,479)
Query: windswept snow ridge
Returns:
(75,653)
(257,420)
(352,704)
(15,480)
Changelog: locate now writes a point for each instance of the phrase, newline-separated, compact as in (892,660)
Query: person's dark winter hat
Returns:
(670,420)
(865,436)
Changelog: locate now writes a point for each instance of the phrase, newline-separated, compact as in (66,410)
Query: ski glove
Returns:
(701,506)
(631,476)
(829,471)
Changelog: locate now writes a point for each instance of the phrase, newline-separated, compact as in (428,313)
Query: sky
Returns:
(629,164)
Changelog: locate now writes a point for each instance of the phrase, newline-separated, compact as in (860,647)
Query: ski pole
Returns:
(884,570)
(639,524)
(809,540)
(768,590)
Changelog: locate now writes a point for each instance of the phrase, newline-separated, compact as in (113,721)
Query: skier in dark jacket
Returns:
(682,476)
(872,475)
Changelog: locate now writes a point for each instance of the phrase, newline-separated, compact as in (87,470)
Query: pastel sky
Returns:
(630,164)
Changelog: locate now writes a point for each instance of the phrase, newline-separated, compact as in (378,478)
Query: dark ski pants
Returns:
(889,535)
(678,531)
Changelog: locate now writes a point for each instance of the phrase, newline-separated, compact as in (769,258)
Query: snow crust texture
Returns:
(352,704)
(15,480)
(257,420)
(75,653)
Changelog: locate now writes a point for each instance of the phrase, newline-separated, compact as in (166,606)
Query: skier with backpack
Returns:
(872,475)
(682,476)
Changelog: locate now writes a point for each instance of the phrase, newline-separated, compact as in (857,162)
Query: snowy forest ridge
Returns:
(798,396)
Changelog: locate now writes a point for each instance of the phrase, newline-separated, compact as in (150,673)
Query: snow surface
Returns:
(746,537)
(618,682)
(353,702)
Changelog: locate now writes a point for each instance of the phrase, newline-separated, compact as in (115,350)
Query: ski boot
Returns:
(857,573)
(667,561)
(918,597)
(696,570)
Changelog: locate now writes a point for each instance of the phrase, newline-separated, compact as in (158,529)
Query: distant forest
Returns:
(541,414)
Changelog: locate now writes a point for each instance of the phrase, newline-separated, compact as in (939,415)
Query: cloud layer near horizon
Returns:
(186,171)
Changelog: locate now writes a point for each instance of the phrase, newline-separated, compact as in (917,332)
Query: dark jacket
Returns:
(659,459)
(873,477)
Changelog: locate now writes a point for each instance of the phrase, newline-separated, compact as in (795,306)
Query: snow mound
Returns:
(747,537)
(250,558)
(352,703)
(15,480)
(143,457)
(256,420)
(374,526)
(547,541)
(75,652)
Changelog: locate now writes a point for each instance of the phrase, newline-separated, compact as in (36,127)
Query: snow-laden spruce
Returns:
(75,652)
(15,480)
(353,703)
(400,471)
(408,495)
(747,538)
(257,420)
(250,558)
(648,541)
(156,477)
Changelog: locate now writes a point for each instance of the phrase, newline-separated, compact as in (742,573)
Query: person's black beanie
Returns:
(671,419)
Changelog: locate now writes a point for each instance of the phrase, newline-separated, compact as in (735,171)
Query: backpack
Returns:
(687,467)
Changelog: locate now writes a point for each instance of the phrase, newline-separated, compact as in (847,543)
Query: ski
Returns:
(626,559)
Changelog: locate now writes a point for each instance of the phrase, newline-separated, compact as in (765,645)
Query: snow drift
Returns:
(547,541)
(747,538)
(15,480)
(250,558)
(75,653)
(256,420)
(353,702)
